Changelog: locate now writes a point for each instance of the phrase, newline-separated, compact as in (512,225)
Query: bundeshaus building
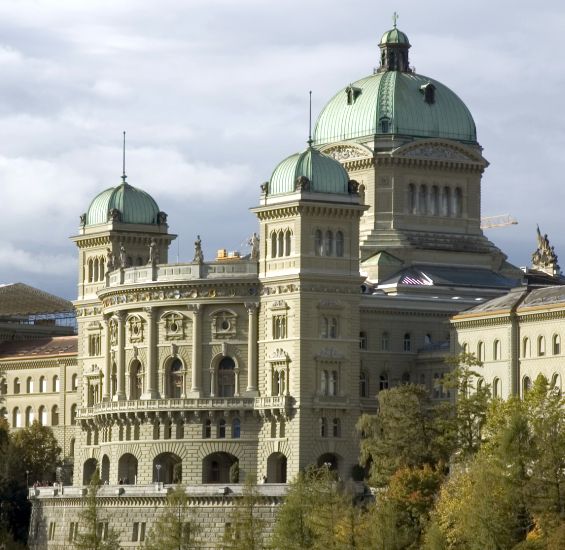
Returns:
(368,242)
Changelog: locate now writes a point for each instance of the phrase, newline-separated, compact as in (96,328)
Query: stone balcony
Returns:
(166,273)
(187,404)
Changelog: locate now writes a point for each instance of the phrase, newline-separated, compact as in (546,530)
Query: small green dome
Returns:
(395,103)
(394,36)
(124,203)
(322,174)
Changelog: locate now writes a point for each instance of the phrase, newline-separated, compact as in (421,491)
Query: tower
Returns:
(411,143)
(309,322)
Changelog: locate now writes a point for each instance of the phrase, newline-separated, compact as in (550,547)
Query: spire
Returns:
(394,47)
(124,160)
(310,121)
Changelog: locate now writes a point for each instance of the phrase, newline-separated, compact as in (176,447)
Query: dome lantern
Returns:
(394,47)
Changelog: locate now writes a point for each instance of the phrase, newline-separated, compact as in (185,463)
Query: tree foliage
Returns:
(94,533)
(172,531)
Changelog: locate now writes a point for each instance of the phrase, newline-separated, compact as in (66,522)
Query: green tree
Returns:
(407,431)
(172,531)
(471,406)
(94,532)
(35,450)
(292,529)
(246,529)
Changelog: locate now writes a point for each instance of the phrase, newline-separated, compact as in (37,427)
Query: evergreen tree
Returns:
(172,531)
(246,529)
(94,532)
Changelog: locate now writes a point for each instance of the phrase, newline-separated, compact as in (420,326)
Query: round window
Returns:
(225,324)
(174,327)
(136,329)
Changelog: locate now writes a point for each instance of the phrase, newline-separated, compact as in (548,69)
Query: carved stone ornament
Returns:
(265,188)
(346,152)
(162,218)
(279,304)
(544,258)
(302,184)
(330,354)
(330,304)
(114,215)
(440,152)
(83,219)
(278,355)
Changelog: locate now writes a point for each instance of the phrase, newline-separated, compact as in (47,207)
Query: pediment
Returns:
(439,151)
(347,151)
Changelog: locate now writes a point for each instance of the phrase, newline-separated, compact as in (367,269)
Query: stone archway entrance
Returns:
(276,468)
(216,468)
(167,468)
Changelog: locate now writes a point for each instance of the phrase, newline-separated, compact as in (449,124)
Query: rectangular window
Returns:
(279,327)
(362,340)
(52,526)
(102,530)
(73,530)
(142,532)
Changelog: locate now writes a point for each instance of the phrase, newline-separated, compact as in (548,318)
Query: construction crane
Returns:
(502,220)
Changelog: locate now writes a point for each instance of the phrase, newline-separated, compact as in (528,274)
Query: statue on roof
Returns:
(544,258)
(153,253)
(123,257)
(198,254)
(253,242)
(110,260)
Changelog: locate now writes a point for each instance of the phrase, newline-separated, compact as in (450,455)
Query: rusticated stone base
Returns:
(131,510)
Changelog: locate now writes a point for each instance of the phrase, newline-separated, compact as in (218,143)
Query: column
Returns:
(195,387)
(107,363)
(252,349)
(121,382)
(151,389)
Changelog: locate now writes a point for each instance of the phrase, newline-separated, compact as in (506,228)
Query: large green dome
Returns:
(395,101)
(125,204)
(323,174)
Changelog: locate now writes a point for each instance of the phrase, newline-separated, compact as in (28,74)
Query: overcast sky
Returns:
(214,93)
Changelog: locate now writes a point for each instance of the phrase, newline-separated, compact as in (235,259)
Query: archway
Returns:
(216,468)
(105,470)
(135,380)
(276,468)
(330,460)
(167,468)
(88,470)
(226,377)
(127,469)
(175,379)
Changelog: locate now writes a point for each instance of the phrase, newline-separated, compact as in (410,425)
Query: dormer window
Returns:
(429,91)
(352,94)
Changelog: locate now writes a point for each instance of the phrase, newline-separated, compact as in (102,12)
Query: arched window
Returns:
(407,342)
(363,390)
(526,347)
(556,344)
(236,428)
(176,379)
(102,272)
(73,414)
(465,347)
(74,382)
(541,346)
(3,386)
(339,249)
(336,427)
(496,389)
(95,276)
(30,417)
(136,380)
(42,384)
(42,415)
(383,381)
(412,198)
(423,199)
(226,377)
(526,385)
(329,327)
(323,427)
(385,341)
(458,199)
(481,351)
(207,431)
(496,350)
(17,387)
(280,250)
(56,386)
(328,243)
(434,201)
(318,243)
(114,379)
(55,415)
(333,383)
(29,385)
(445,201)
(221,429)
(72,447)
(16,418)
(273,245)
(287,243)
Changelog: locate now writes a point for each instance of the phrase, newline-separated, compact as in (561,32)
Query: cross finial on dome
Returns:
(395,17)
(124,159)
